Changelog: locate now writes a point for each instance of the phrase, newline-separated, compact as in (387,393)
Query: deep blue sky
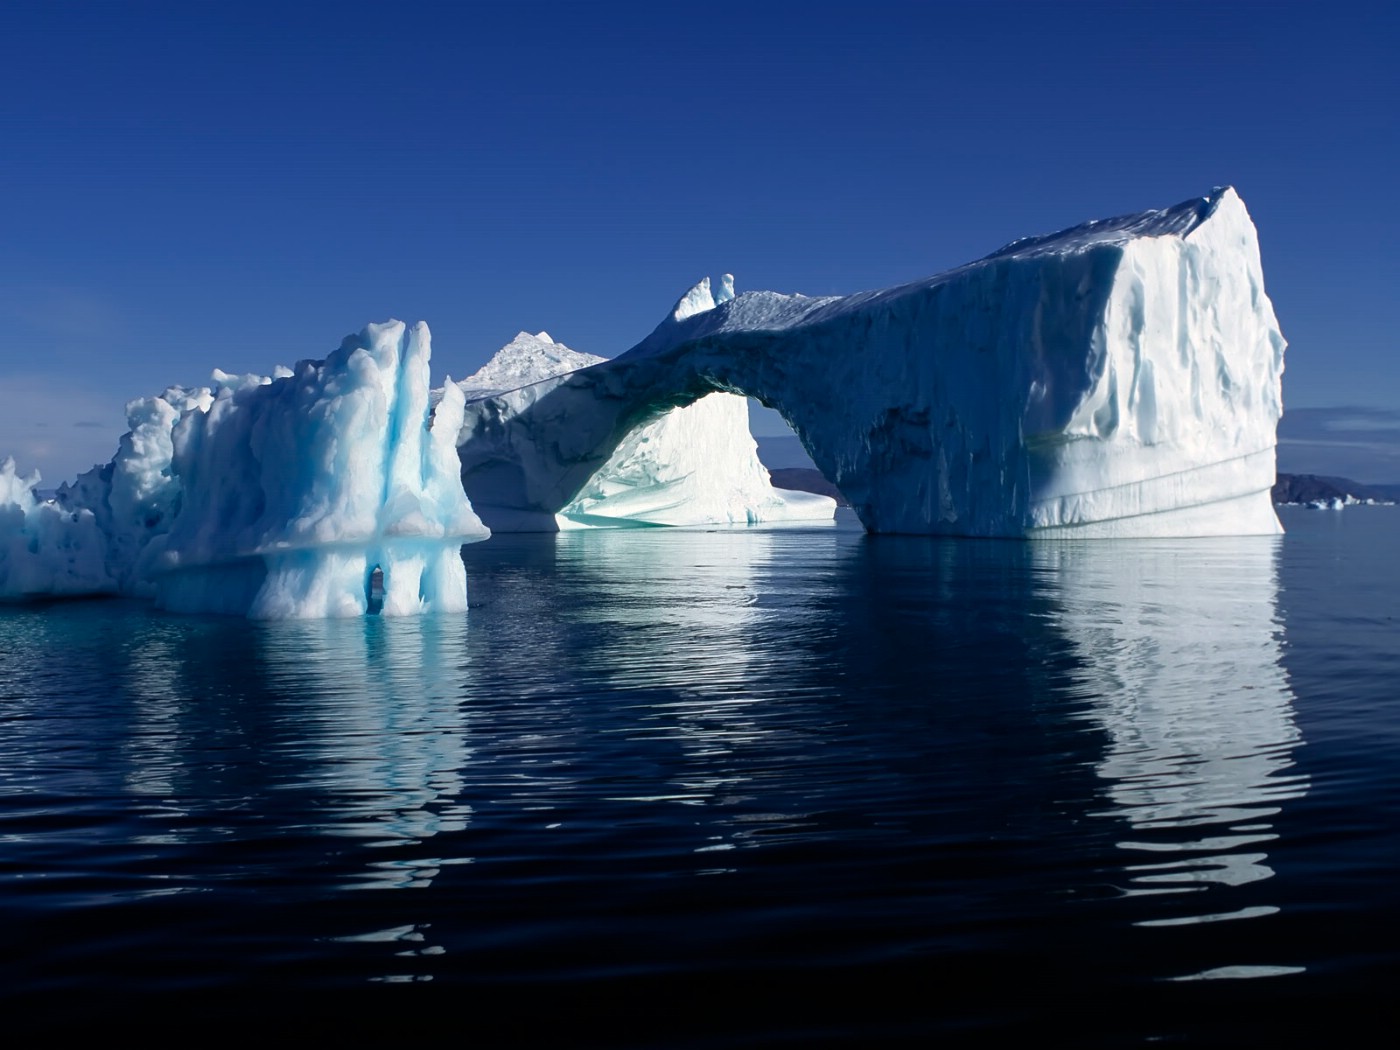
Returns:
(189,186)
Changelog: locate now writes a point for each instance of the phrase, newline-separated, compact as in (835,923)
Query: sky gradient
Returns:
(188,187)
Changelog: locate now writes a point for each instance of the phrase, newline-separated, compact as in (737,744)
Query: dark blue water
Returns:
(729,788)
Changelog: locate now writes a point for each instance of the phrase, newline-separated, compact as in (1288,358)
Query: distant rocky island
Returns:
(1321,490)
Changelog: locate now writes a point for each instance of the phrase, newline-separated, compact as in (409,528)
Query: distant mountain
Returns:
(1314,488)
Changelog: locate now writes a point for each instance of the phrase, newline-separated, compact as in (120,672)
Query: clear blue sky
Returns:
(189,186)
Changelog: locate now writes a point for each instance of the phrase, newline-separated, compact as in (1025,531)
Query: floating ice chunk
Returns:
(45,550)
(1121,378)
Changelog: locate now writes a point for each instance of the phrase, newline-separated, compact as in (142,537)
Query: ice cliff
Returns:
(1120,378)
(689,466)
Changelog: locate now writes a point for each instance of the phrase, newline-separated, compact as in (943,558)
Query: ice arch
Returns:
(1120,378)
(696,465)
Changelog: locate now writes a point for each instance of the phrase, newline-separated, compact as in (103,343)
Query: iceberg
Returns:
(46,550)
(1120,378)
(298,492)
(326,490)
(696,465)
(1117,379)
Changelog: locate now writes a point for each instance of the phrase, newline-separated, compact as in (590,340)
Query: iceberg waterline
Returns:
(1121,378)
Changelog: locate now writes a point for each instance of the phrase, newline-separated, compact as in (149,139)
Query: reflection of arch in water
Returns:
(681,627)
(1179,650)
(698,645)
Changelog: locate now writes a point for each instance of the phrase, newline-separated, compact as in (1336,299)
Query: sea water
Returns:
(729,787)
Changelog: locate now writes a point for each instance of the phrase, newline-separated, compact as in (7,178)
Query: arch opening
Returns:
(697,464)
(790,467)
(582,454)
(645,439)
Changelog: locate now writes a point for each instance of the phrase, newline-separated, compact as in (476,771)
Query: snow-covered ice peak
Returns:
(695,301)
(1177,221)
(525,359)
(699,299)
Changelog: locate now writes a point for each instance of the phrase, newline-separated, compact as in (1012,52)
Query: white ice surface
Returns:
(694,465)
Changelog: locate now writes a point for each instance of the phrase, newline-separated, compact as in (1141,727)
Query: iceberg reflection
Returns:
(1179,652)
(380,731)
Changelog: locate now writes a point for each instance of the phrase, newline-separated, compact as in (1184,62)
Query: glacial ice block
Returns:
(694,465)
(1120,378)
(295,489)
(46,550)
